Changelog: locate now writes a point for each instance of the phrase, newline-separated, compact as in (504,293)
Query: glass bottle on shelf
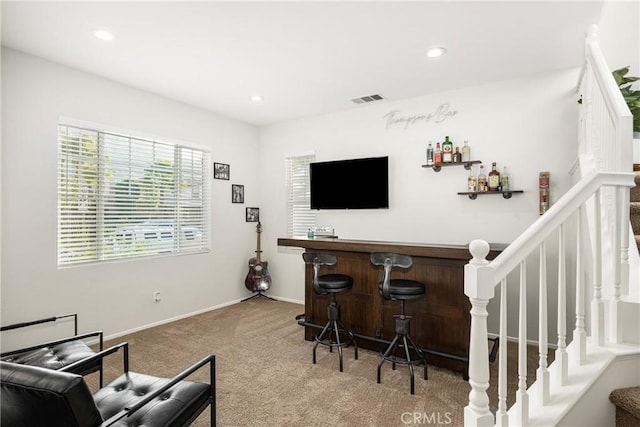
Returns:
(504,179)
(494,178)
(457,157)
(429,155)
(447,150)
(466,152)
(544,200)
(437,155)
(482,180)
(471,181)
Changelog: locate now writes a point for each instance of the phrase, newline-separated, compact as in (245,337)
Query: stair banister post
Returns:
(479,286)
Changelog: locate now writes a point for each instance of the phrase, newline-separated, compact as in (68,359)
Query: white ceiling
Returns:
(305,58)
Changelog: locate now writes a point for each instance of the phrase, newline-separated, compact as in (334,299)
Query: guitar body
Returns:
(258,278)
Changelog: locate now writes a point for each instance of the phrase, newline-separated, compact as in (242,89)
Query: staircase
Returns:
(634,211)
(585,267)
(627,401)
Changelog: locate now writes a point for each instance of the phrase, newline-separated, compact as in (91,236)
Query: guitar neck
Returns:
(258,251)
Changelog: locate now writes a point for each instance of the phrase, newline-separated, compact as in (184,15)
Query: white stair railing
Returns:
(601,195)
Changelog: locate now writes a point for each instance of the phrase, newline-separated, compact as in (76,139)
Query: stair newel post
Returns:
(597,305)
(479,287)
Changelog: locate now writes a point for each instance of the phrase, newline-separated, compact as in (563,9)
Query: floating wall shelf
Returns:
(474,194)
(467,165)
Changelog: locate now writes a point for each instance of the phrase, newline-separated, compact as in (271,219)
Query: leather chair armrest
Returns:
(101,355)
(210,360)
(56,342)
(45,320)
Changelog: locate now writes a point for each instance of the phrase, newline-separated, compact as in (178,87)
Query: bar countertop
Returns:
(431,250)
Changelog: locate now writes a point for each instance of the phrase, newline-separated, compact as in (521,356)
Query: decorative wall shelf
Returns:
(467,165)
(474,194)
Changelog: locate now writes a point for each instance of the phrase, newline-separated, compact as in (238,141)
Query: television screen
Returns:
(350,184)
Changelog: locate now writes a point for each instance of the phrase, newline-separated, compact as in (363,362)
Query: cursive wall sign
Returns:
(439,115)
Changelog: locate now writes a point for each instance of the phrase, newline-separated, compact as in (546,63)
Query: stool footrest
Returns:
(330,337)
(403,341)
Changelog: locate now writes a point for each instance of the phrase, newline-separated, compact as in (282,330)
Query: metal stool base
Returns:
(403,340)
(330,335)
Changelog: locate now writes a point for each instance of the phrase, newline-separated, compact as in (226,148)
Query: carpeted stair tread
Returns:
(634,216)
(634,208)
(635,191)
(627,401)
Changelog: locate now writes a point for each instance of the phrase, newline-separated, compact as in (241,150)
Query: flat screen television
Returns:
(350,184)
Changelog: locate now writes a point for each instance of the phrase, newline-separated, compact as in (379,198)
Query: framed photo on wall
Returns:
(237,193)
(221,171)
(252,214)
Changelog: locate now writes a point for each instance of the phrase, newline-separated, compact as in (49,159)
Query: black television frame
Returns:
(360,183)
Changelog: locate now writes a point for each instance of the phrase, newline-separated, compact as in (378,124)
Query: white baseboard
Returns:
(184,316)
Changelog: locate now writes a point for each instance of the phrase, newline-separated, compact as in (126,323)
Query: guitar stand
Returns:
(258,295)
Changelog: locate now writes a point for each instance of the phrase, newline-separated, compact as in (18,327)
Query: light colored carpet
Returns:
(265,375)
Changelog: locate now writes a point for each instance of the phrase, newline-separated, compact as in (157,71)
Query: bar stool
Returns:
(333,284)
(399,290)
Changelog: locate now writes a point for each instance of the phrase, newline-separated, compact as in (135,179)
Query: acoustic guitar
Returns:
(258,278)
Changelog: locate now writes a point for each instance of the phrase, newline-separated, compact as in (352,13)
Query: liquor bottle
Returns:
(466,152)
(544,191)
(504,179)
(447,150)
(494,178)
(457,157)
(437,155)
(429,155)
(471,181)
(482,180)
(544,200)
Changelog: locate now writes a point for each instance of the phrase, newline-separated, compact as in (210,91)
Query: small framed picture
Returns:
(253,215)
(237,193)
(221,171)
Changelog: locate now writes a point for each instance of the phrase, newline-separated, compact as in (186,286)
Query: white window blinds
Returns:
(124,197)
(299,216)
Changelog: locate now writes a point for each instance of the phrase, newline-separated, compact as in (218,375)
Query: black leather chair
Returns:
(325,284)
(34,396)
(399,290)
(58,353)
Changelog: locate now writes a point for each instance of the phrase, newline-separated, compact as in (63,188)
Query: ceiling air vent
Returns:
(365,99)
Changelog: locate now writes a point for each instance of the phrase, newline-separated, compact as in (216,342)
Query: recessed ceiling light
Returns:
(103,35)
(257,98)
(434,52)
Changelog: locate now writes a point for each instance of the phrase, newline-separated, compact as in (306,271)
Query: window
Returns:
(299,215)
(124,197)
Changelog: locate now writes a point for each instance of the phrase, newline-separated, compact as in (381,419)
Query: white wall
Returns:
(619,35)
(528,124)
(115,296)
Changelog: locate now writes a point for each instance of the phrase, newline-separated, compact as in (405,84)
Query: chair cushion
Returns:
(335,282)
(57,356)
(175,407)
(34,396)
(404,289)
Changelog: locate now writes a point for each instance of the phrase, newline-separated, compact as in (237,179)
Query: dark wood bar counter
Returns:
(441,319)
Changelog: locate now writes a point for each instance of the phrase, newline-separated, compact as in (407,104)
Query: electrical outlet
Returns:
(156,296)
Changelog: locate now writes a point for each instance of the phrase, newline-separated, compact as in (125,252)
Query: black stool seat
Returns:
(335,282)
(325,284)
(403,289)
